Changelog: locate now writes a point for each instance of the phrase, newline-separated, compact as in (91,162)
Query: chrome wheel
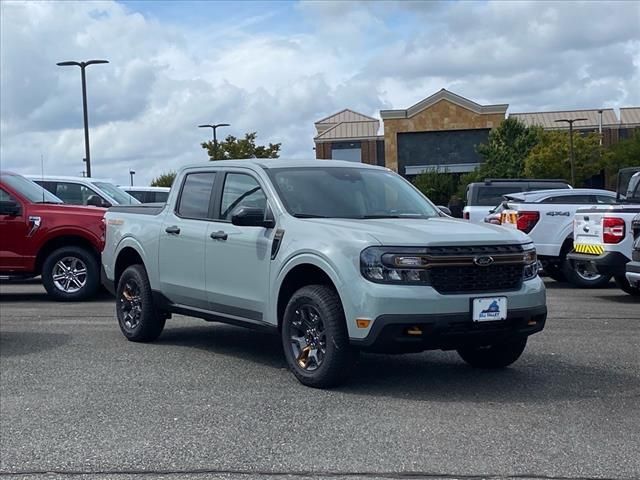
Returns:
(69,274)
(585,273)
(131,305)
(308,338)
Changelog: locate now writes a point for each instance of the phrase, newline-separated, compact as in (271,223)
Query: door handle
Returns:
(219,235)
(173,229)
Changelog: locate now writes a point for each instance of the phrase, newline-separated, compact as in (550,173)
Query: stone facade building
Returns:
(443,130)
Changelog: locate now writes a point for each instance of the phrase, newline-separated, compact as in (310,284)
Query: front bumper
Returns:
(633,273)
(445,320)
(389,333)
(609,263)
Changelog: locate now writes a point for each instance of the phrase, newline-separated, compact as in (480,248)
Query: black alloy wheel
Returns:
(139,319)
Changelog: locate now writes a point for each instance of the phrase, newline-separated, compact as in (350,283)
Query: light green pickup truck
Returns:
(335,257)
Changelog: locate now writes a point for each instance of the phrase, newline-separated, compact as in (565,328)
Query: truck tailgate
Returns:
(587,233)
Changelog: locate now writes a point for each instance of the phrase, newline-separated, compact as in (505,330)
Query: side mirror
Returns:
(251,217)
(10,208)
(444,210)
(96,201)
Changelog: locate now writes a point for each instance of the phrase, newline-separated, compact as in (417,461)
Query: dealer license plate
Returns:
(489,309)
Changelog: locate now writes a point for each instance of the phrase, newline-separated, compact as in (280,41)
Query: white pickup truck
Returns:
(604,234)
(547,217)
(481,197)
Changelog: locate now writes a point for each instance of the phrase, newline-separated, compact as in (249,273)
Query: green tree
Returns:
(164,180)
(550,158)
(625,153)
(237,148)
(507,147)
(437,185)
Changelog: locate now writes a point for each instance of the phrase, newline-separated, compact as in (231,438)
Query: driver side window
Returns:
(240,190)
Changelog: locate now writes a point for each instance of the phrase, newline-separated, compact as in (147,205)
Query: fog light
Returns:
(415,331)
(362,322)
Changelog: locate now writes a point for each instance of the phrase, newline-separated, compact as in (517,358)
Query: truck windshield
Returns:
(119,195)
(343,192)
(30,190)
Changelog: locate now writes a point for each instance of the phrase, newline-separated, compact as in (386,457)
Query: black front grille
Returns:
(476,279)
(475,250)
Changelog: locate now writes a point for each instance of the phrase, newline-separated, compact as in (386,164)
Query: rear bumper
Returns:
(448,331)
(633,273)
(609,263)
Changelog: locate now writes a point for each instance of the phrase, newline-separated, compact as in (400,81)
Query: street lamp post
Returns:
(570,121)
(131,174)
(215,139)
(82,66)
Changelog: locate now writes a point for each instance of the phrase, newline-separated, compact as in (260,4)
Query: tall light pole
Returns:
(131,174)
(570,122)
(82,66)
(215,139)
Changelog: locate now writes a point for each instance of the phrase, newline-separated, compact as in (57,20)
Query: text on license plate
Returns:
(489,309)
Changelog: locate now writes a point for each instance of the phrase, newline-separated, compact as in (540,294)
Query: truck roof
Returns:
(266,163)
(67,178)
(535,195)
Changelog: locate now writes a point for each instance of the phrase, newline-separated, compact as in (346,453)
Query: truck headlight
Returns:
(400,266)
(530,260)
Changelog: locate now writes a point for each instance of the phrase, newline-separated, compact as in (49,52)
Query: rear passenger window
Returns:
(71,193)
(491,196)
(605,200)
(195,195)
(571,199)
(241,190)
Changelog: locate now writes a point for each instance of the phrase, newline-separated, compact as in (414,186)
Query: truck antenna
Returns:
(42,173)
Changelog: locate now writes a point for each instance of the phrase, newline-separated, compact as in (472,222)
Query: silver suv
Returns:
(336,257)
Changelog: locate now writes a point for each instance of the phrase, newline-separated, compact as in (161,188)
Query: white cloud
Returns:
(165,78)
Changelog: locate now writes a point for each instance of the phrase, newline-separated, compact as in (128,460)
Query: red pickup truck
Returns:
(39,235)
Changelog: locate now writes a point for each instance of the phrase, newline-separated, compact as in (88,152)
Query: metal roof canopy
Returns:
(547,120)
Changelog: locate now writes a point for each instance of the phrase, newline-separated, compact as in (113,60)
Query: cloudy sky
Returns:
(276,67)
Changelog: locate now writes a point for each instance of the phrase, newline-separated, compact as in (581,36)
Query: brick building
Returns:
(443,130)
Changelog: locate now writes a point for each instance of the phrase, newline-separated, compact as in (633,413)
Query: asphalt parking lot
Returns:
(215,401)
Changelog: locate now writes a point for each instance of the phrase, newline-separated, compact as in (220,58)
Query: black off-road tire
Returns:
(494,356)
(150,322)
(340,356)
(580,281)
(624,285)
(91,283)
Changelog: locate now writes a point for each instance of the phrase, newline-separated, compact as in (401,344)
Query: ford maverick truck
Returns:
(41,236)
(336,257)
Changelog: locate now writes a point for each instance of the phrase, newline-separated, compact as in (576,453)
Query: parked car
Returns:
(547,217)
(148,194)
(337,257)
(42,236)
(84,190)
(604,235)
(483,196)
(633,267)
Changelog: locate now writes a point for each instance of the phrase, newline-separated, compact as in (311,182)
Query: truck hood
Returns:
(432,231)
(63,208)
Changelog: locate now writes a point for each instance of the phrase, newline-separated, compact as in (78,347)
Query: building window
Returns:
(348,154)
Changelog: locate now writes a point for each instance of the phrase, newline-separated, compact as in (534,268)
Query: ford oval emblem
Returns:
(483,261)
